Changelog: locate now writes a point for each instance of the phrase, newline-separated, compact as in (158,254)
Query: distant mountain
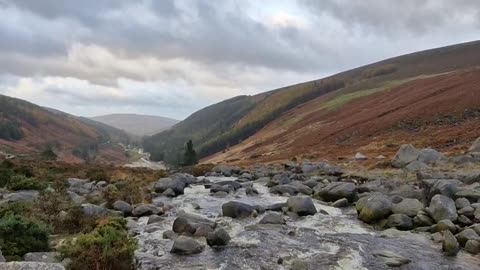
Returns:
(29,130)
(140,125)
(313,119)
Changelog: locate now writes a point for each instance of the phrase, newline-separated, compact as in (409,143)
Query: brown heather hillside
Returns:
(441,111)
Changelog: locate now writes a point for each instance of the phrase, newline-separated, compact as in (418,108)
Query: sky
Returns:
(171,58)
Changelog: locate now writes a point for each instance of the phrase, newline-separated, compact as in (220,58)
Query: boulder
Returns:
(233,184)
(302,188)
(462,203)
(338,190)
(203,230)
(444,225)
(409,207)
(216,188)
(473,246)
(235,209)
(187,223)
(176,185)
(184,245)
(465,235)
(422,219)
(301,205)
(76,199)
(430,156)
(450,244)
(219,237)
(76,182)
(154,219)
(341,203)
(466,211)
(374,208)
(45,257)
(142,210)
(285,190)
(446,187)
(416,166)
(93,210)
(123,207)
(359,156)
(400,221)
(391,259)
(404,156)
(31,266)
(471,194)
(475,146)
(272,218)
(251,191)
(169,235)
(442,207)
(2,259)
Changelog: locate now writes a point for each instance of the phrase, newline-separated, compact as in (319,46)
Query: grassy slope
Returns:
(269,106)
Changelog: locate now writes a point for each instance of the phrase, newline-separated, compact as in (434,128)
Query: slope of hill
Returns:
(284,104)
(139,125)
(30,130)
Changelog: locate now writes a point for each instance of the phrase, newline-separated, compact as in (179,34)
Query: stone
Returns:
(341,203)
(450,244)
(409,207)
(142,210)
(154,219)
(442,207)
(91,210)
(338,190)
(465,235)
(359,156)
(473,246)
(437,237)
(416,166)
(471,194)
(22,196)
(251,191)
(76,199)
(302,188)
(400,221)
(187,223)
(176,185)
(219,188)
(235,209)
(391,259)
(169,235)
(184,245)
(273,218)
(430,156)
(422,219)
(203,230)
(123,207)
(169,193)
(285,190)
(446,187)
(45,257)
(405,155)
(233,184)
(462,203)
(475,146)
(464,220)
(444,225)
(467,211)
(301,205)
(31,266)
(374,208)
(76,182)
(219,237)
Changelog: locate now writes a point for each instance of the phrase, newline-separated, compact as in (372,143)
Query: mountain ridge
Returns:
(136,124)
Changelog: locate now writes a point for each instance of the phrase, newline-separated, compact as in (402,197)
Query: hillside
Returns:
(31,131)
(139,125)
(253,113)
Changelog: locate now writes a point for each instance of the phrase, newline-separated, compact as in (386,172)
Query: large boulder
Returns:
(45,257)
(235,209)
(405,155)
(285,190)
(272,218)
(374,208)
(301,205)
(446,187)
(218,238)
(450,244)
(187,223)
(218,188)
(400,222)
(143,210)
(442,207)
(465,235)
(338,190)
(409,207)
(233,184)
(430,156)
(475,146)
(184,245)
(176,185)
(123,207)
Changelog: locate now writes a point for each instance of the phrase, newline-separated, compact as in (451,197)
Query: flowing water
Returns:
(334,241)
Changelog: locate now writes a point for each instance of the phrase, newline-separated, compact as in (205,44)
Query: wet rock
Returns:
(338,190)
(465,235)
(226,170)
(400,221)
(473,246)
(169,193)
(187,223)
(184,245)
(154,219)
(176,185)
(302,188)
(142,210)
(341,203)
(219,237)
(301,205)
(284,190)
(251,191)
(203,230)
(235,209)
(277,207)
(272,218)
(442,207)
(471,194)
(279,179)
(374,208)
(475,146)
(45,257)
(225,188)
(91,210)
(464,220)
(123,207)
(220,194)
(422,219)
(76,182)
(391,259)
(169,235)
(462,203)
(430,156)
(404,156)
(444,225)
(311,183)
(450,244)
(446,187)
(31,266)
(409,207)
(233,184)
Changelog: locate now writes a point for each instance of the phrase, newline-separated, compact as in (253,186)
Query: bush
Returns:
(19,235)
(21,182)
(5,176)
(107,247)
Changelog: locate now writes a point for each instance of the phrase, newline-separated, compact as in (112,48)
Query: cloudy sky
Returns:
(171,58)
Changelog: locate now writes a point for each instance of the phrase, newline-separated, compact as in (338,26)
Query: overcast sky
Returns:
(171,58)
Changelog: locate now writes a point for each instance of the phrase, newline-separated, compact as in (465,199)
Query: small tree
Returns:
(190,156)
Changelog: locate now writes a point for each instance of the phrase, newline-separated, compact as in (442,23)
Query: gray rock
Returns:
(31,266)
(177,185)
(338,190)
(400,221)
(444,225)
(301,205)
(45,257)
(446,187)
(374,208)
(76,182)
(202,231)
(391,259)
(437,237)
(154,219)
(233,184)
(473,246)
(169,235)
(251,191)
(187,223)
(405,155)
(219,188)
(22,196)
(430,156)
(341,203)
(285,190)
(475,146)
(169,193)
(467,211)
(219,237)
(302,188)
(2,259)
(471,194)
(142,210)
(442,207)
(123,207)
(76,199)
(409,207)
(417,166)
(464,220)
(450,244)
(462,203)
(422,219)
(465,235)
(184,245)
(235,209)
(93,210)
(273,218)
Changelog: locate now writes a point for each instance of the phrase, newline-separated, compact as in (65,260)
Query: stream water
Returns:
(334,241)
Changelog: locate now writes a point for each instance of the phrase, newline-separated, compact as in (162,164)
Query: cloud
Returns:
(173,57)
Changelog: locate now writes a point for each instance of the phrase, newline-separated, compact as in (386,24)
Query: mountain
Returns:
(401,96)
(33,131)
(139,125)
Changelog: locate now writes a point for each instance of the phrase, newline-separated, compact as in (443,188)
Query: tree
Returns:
(190,156)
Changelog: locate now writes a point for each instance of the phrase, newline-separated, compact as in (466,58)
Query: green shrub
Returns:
(20,235)
(21,182)
(5,175)
(107,247)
